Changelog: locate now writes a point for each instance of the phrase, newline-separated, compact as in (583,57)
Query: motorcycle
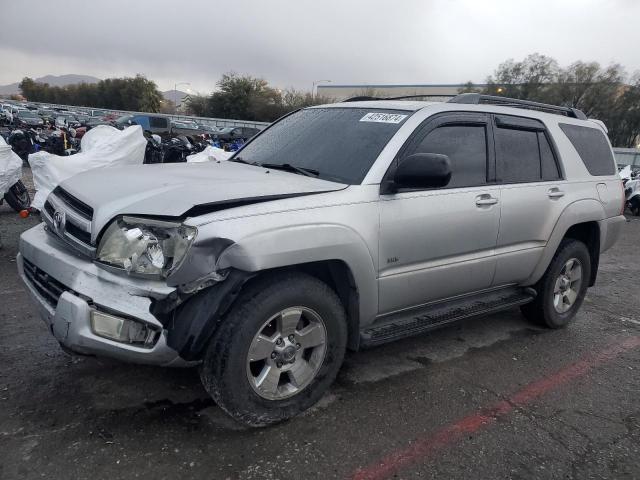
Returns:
(17,197)
(631,184)
(154,151)
(12,189)
(177,149)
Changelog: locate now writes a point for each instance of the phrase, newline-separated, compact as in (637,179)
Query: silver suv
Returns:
(339,226)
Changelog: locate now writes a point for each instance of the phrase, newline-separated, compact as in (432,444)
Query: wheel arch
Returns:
(580,221)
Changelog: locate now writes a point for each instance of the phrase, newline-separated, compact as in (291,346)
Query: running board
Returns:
(416,321)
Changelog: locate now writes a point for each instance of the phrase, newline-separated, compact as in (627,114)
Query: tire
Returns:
(546,309)
(232,379)
(18,197)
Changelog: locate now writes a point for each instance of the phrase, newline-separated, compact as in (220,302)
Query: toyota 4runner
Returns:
(338,227)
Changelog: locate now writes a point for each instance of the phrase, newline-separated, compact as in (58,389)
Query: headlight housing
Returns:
(145,246)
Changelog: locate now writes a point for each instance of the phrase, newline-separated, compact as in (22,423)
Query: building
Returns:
(341,92)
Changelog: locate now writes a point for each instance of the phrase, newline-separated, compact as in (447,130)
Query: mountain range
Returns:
(53,80)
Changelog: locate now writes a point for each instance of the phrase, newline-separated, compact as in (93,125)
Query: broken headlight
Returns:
(145,246)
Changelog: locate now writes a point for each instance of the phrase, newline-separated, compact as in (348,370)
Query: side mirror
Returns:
(421,170)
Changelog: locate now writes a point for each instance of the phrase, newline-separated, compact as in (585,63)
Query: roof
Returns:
(410,106)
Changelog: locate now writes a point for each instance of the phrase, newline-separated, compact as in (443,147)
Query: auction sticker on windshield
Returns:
(383,117)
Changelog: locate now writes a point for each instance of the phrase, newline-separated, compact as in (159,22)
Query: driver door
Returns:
(439,243)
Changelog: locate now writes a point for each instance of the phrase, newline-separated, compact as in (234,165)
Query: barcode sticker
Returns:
(383,117)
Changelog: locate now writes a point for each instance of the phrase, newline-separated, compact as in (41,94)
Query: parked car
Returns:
(159,125)
(66,120)
(235,133)
(47,115)
(186,128)
(98,113)
(27,118)
(340,226)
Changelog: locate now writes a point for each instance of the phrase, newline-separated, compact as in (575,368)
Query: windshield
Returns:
(340,144)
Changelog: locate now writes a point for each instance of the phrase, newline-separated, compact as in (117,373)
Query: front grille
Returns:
(45,284)
(70,219)
(80,207)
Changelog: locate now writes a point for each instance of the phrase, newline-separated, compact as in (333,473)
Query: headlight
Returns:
(145,246)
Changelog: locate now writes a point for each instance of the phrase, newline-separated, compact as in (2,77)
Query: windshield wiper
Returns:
(287,167)
(242,160)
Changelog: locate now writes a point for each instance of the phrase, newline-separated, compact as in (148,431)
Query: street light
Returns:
(313,86)
(175,93)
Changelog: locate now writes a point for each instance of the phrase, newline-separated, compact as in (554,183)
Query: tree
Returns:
(248,98)
(599,92)
(527,79)
(469,87)
(135,94)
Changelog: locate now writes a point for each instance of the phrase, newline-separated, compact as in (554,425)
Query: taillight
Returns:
(624,198)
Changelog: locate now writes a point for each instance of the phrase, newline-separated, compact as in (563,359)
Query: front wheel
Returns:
(277,351)
(18,197)
(563,287)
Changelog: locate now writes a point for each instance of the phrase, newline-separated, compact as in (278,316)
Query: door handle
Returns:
(484,200)
(555,193)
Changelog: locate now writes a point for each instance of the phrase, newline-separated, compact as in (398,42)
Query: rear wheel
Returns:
(277,351)
(563,287)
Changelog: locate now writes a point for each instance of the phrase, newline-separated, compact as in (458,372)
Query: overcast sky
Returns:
(294,42)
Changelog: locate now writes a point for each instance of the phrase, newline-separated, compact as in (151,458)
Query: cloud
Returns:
(293,42)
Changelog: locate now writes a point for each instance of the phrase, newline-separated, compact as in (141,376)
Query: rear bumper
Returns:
(85,287)
(610,231)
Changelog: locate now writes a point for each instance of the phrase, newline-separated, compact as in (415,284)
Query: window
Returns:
(158,122)
(517,155)
(593,148)
(524,156)
(466,147)
(550,170)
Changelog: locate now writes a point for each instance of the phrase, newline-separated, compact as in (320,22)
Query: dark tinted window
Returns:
(593,148)
(547,159)
(158,122)
(517,155)
(340,143)
(466,147)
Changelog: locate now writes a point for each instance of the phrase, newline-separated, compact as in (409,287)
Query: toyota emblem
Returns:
(58,220)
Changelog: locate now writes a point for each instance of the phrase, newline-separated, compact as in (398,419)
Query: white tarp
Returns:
(10,167)
(102,146)
(209,154)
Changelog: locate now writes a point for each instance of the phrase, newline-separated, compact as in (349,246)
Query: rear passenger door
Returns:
(527,168)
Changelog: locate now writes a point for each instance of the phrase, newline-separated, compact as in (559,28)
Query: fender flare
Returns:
(294,245)
(580,211)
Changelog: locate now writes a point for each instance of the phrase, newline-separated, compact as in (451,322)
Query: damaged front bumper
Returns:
(68,289)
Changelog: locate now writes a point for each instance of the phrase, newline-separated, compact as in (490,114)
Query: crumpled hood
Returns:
(173,189)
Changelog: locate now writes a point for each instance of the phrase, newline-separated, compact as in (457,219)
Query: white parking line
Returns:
(630,320)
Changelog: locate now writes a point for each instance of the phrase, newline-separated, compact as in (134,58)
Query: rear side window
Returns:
(593,148)
(466,147)
(524,156)
(158,122)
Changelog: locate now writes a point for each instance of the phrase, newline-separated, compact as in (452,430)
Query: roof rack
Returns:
(477,99)
(403,97)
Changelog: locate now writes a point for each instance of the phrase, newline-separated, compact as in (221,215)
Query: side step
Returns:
(416,321)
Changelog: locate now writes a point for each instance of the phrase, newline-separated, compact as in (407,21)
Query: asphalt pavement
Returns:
(488,398)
